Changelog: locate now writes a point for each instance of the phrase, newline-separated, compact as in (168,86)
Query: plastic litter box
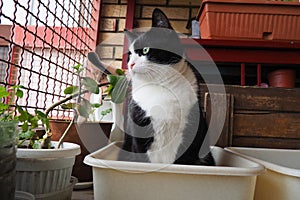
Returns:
(233,178)
(282,179)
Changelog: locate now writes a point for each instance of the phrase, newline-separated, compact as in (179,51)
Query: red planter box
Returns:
(249,19)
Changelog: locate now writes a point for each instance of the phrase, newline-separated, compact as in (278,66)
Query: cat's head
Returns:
(156,49)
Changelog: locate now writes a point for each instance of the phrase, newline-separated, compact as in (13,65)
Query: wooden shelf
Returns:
(244,51)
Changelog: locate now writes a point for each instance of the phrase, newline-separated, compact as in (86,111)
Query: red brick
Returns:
(171,12)
(185,3)
(151,2)
(114,10)
(108,24)
(112,38)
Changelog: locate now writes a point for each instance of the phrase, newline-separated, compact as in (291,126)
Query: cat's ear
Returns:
(130,36)
(160,20)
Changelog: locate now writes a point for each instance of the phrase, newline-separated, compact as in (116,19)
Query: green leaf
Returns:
(112,79)
(19,93)
(119,91)
(96,105)
(91,85)
(24,115)
(105,112)
(40,114)
(27,135)
(120,72)
(36,145)
(83,112)
(25,127)
(109,89)
(17,89)
(68,106)
(3,92)
(84,108)
(33,121)
(77,67)
(3,106)
(71,89)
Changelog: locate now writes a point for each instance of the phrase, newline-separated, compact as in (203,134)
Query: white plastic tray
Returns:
(282,179)
(233,178)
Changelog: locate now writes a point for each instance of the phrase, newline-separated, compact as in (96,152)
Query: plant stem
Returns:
(61,139)
(69,98)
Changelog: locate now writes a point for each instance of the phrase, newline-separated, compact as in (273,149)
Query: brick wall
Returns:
(113,15)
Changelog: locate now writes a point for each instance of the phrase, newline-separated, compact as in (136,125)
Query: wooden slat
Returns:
(267,142)
(280,125)
(262,117)
(224,138)
(272,99)
(265,99)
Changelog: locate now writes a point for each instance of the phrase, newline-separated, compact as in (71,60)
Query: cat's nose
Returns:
(131,65)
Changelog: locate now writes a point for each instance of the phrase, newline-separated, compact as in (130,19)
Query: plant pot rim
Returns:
(279,71)
(88,122)
(68,149)
(9,122)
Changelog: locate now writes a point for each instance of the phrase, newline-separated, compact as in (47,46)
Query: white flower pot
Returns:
(41,171)
(23,196)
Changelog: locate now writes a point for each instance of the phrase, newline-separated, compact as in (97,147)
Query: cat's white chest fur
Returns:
(167,101)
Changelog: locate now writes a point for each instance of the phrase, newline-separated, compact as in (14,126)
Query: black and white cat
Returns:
(164,121)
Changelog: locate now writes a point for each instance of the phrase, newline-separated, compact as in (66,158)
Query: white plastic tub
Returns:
(233,179)
(282,179)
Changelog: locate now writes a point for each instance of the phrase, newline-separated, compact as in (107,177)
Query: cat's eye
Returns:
(146,50)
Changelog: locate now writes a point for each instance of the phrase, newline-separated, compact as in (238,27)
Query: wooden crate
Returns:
(260,117)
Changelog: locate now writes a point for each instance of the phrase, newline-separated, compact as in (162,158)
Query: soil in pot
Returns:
(282,78)
(90,138)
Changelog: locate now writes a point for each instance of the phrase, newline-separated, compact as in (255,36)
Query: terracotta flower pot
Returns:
(282,78)
(90,136)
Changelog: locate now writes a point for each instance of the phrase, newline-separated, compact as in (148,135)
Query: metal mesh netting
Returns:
(40,42)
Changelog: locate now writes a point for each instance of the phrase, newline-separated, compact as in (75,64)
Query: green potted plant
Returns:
(53,160)
(84,132)
(43,166)
(8,136)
